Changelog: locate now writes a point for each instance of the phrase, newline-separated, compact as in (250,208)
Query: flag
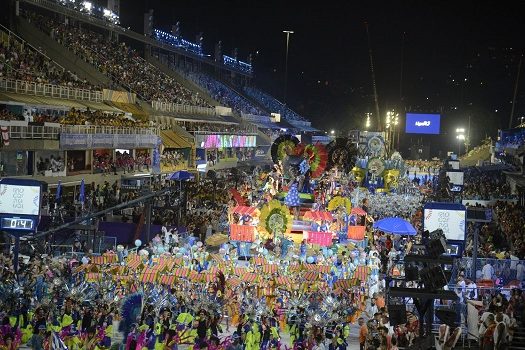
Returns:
(59,192)
(57,343)
(82,196)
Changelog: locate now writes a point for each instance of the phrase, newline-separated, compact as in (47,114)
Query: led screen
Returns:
(417,123)
(225,141)
(452,222)
(456,177)
(19,200)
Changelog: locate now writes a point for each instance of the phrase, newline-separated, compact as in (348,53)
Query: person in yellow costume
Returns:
(253,338)
(161,328)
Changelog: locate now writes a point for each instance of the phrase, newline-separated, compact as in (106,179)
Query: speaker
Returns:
(411,273)
(436,245)
(447,316)
(433,277)
(397,314)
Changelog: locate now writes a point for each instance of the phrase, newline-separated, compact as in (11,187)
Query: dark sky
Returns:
(329,77)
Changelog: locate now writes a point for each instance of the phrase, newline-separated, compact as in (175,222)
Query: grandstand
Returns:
(478,155)
(81,101)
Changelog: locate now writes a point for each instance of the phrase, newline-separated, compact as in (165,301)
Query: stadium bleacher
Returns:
(119,61)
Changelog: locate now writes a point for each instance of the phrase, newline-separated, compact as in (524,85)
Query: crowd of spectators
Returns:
(272,104)
(123,161)
(423,166)
(485,185)
(101,118)
(51,163)
(513,140)
(224,94)
(172,158)
(501,249)
(119,61)
(9,116)
(20,61)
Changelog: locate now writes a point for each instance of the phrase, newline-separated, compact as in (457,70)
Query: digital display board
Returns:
(19,200)
(456,177)
(451,221)
(17,224)
(225,141)
(419,123)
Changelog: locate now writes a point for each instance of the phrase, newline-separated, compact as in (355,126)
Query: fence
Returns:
(170,107)
(61,249)
(503,270)
(34,132)
(49,90)
(95,129)
(107,243)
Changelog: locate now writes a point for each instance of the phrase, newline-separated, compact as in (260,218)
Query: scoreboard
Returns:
(20,202)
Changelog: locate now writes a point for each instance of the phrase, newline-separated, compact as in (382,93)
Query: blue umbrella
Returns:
(396,226)
(180,176)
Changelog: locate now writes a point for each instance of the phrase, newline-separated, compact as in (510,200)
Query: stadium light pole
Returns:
(460,135)
(287,32)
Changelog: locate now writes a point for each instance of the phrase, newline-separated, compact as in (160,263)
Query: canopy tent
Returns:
(396,226)
(318,216)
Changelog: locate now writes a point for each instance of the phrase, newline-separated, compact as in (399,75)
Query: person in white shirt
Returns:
(460,289)
(371,308)
(472,290)
(484,323)
(487,271)
(167,236)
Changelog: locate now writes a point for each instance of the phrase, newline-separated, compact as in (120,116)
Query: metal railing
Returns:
(61,249)
(504,269)
(35,132)
(49,90)
(170,107)
(96,129)
(41,132)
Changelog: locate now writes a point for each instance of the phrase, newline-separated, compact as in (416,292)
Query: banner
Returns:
(103,141)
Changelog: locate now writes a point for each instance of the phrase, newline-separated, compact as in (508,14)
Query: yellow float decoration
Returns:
(340,202)
(275,218)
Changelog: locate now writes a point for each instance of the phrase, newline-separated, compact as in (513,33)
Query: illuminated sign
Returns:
(225,141)
(418,123)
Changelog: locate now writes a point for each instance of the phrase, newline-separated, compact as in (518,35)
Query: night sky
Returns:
(457,59)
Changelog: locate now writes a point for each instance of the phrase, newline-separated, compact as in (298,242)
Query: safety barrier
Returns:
(49,90)
(96,129)
(33,132)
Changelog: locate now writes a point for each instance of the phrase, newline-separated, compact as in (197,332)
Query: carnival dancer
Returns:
(253,338)
(292,198)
